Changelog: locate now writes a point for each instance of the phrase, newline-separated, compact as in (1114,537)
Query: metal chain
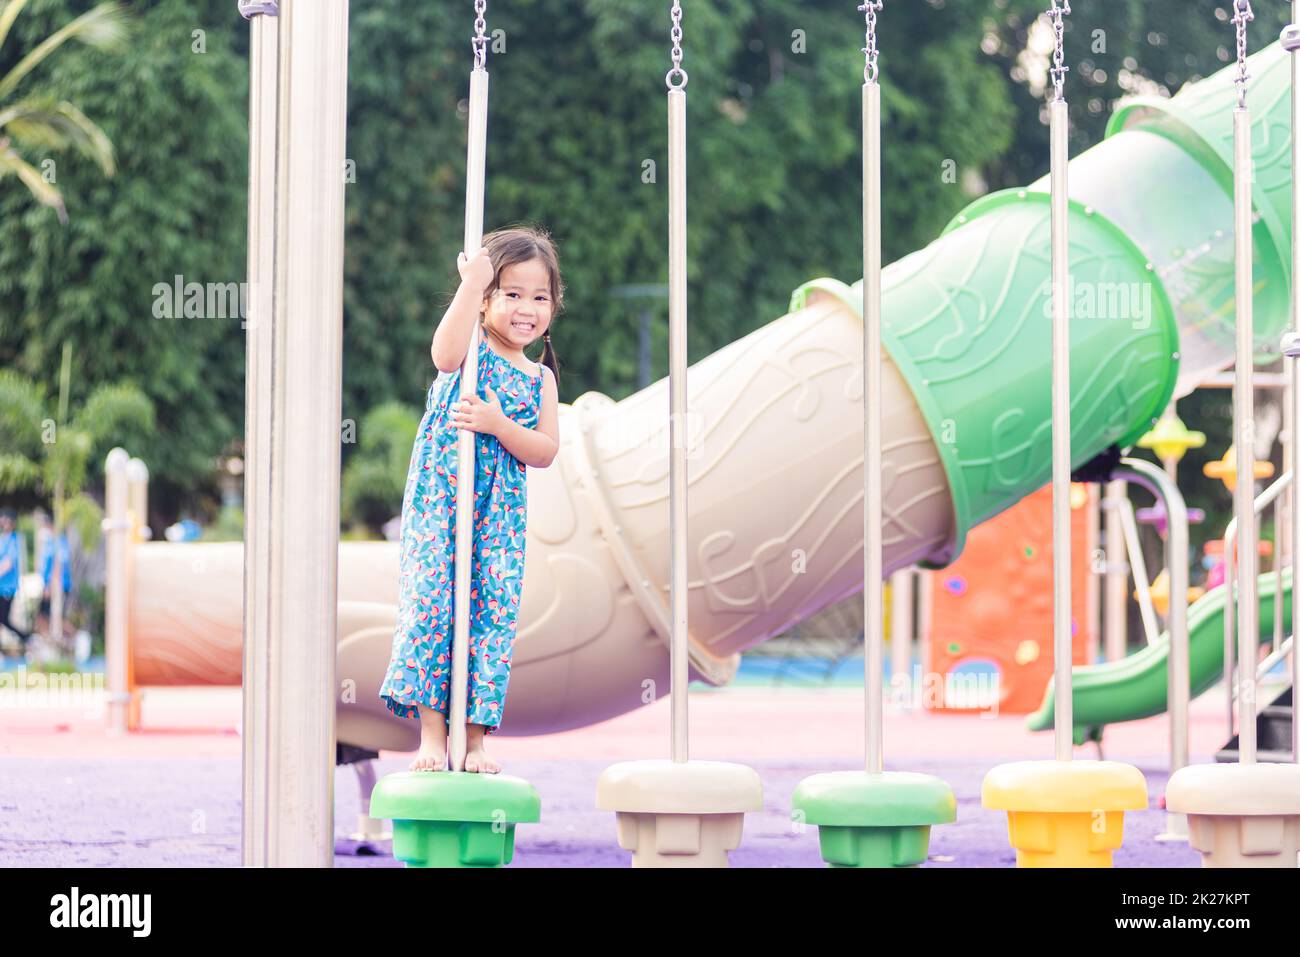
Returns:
(676,34)
(870,8)
(1242,15)
(1060,8)
(479,40)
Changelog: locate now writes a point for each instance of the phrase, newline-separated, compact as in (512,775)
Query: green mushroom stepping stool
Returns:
(874,820)
(454,818)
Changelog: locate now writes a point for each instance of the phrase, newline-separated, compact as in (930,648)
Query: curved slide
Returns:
(1136,686)
(774,430)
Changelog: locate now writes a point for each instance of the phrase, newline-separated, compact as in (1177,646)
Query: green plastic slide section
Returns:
(1190,236)
(1199,121)
(967,319)
(1137,686)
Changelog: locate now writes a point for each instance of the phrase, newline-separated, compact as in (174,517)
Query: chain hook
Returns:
(1060,9)
(872,69)
(676,73)
(1241,15)
(479,40)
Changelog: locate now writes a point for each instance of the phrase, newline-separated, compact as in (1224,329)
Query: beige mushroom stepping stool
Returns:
(679,814)
(1240,815)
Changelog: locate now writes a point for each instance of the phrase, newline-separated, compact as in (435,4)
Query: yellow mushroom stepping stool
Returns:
(1065,813)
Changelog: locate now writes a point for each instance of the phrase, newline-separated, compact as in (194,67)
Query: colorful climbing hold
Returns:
(1170,439)
(1225,469)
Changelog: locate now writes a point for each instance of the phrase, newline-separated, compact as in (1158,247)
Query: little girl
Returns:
(512,288)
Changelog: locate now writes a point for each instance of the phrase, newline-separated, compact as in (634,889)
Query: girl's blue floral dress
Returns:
(419,672)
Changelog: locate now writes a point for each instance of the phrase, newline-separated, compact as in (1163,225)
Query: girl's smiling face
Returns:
(519,311)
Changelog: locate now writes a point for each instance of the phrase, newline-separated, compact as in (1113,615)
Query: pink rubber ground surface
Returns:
(73,795)
(725,725)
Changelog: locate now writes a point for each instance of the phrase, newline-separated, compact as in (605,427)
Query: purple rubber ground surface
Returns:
(185,812)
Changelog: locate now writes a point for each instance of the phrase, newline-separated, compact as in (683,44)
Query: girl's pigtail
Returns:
(549,358)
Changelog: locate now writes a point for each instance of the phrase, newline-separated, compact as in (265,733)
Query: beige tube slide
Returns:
(775,496)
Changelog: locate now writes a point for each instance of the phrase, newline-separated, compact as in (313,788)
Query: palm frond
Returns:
(54,124)
(7,17)
(83,513)
(116,414)
(67,459)
(104,28)
(18,474)
(11,162)
(22,412)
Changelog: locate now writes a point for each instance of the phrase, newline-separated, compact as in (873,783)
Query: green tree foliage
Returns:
(176,206)
(52,457)
(375,476)
(1114,49)
(46,122)
(46,454)
(578,118)
(577,115)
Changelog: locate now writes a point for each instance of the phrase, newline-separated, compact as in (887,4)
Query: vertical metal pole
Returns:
(901,620)
(263,108)
(1171,462)
(677,431)
(1179,694)
(643,348)
(1230,621)
(475,172)
(1138,565)
(1092,591)
(1279,545)
(1116,574)
(924,610)
(872,500)
(1290,43)
(1289,503)
(137,485)
(294,389)
(1062,642)
(1161,484)
(1244,428)
(1282,515)
(115,595)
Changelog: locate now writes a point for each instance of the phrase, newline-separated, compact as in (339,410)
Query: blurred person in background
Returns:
(53,551)
(10,549)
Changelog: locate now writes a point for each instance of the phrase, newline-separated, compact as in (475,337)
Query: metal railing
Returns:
(1266,498)
(1158,482)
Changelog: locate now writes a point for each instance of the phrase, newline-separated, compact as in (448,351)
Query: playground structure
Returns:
(964,435)
(992,606)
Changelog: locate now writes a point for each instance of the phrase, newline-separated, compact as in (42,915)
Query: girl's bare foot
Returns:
(432,755)
(476,758)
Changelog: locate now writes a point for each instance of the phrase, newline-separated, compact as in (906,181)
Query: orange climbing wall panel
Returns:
(994,606)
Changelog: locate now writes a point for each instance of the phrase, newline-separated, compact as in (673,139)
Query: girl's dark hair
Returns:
(521,244)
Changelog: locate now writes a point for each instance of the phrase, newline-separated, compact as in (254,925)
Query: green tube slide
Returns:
(966,320)
(1136,687)
(1189,235)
